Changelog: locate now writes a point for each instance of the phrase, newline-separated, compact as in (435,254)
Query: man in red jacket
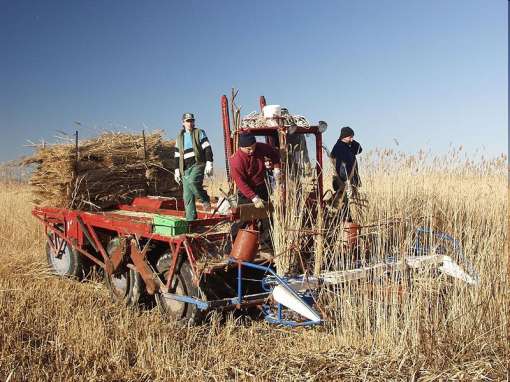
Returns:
(248,169)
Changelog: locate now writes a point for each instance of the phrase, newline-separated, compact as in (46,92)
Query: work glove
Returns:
(259,203)
(208,171)
(177,176)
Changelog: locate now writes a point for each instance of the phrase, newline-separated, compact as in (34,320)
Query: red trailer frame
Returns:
(79,230)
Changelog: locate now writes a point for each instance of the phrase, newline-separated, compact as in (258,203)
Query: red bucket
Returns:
(351,233)
(245,245)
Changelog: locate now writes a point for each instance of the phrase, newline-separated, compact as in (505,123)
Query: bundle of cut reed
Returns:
(103,171)
(255,120)
(290,218)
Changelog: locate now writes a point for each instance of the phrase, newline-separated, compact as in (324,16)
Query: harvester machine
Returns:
(151,255)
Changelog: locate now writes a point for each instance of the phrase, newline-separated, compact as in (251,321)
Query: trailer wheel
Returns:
(125,284)
(67,262)
(182,285)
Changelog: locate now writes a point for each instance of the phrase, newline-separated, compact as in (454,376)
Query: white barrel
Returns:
(271,111)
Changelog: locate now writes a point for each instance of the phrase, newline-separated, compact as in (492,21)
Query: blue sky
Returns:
(426,73)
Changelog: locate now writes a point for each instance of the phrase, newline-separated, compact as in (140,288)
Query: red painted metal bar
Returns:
(175,257)
(100,248)
(91,257)
(227,134)
(142,267)
(118,253)
(192,261)
(86,233)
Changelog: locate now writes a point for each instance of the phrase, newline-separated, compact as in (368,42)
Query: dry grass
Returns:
(54,329)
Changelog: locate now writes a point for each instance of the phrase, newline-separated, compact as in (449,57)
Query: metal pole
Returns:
(282,134)
(145,163)
(318,152)
(239,283)
(144,147)
(77,157)
(227,137)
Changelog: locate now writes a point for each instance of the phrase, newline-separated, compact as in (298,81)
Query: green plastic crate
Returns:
(169,225)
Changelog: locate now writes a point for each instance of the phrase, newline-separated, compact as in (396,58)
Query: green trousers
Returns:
(192,184)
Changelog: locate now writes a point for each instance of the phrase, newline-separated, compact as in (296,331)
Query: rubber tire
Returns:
(125,285)
(71,264)
(183,313)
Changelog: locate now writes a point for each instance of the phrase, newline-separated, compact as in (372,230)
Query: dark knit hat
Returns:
(246,140)
(346,132)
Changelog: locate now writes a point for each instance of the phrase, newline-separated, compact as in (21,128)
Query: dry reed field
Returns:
(437,329)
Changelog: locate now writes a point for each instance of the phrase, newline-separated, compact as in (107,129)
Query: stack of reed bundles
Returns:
(102,172)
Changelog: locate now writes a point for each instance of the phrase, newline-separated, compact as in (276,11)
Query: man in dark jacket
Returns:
(344,154)
(194,159)
(248,169)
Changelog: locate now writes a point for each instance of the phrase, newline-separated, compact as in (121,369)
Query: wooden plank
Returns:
(249,212)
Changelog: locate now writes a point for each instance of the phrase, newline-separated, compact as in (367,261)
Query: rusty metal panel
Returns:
(143,268)
(118,254)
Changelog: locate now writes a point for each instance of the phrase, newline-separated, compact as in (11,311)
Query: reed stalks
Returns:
(431,329)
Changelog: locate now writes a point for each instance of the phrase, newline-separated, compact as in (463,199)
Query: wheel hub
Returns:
(60,259)
(173,307)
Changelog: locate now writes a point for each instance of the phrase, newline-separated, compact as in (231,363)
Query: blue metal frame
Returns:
(238,300)
(202,305)
(213,304)
(269,317)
